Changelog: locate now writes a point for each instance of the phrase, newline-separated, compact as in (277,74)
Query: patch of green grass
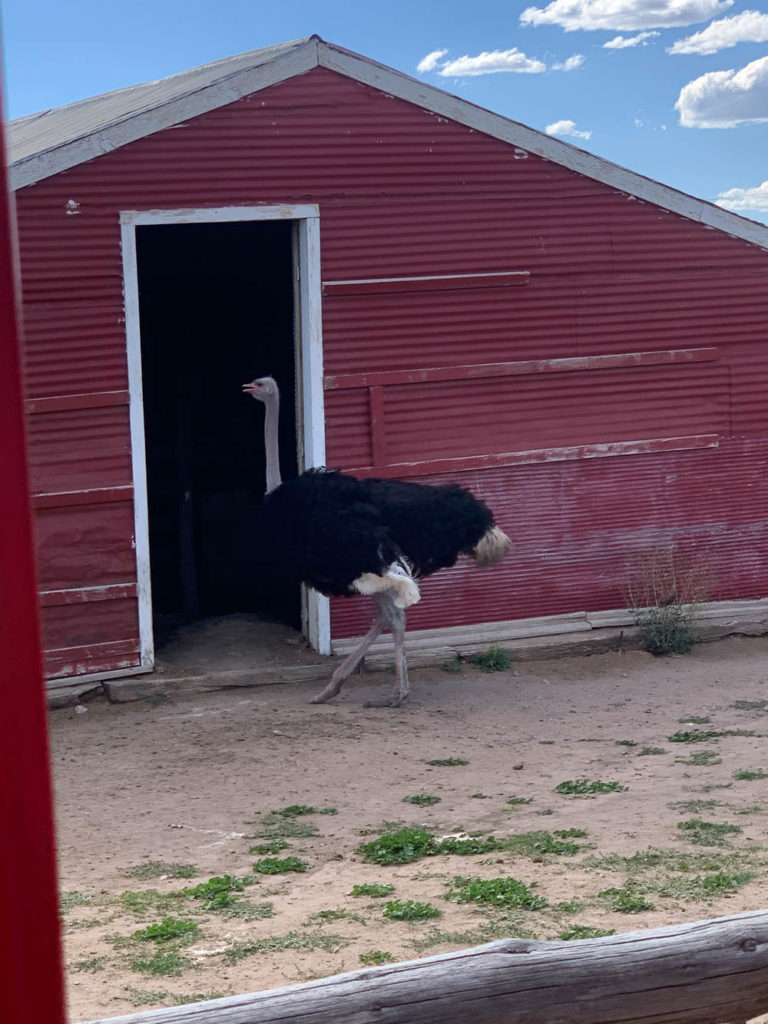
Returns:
(479,796)
(467,846)
(305,941)
(569,907)
(695,720)
(578,787)
(421,799)
(275,825)
(159,868)
(399,847)
(701,759)
(749,775)
(693,806)
(409,910)
(495,659)
(646,751)
(272,847)
(299,810)
(625,901)
(71,899)
(535,844)
(706,833)
(584,931)
(376,957)
(626,743)
(144,997)
(150,902)
(324,916)
(91,965)
(244,910)
(165,963)
(166,930)
(278,866)
(507,893)
(750,705)
(453,665)
(702,888)
(373,889)
(447,762)
(570,833)
(517,801)
(219,891)
(702,735)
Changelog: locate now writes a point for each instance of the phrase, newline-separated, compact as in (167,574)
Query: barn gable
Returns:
(575,342)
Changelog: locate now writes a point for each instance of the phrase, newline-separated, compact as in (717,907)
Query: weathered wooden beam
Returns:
(700,973)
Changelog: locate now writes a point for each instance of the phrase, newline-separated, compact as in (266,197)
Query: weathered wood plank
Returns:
(698,973)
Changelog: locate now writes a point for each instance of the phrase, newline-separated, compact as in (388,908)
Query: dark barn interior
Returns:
(217,310)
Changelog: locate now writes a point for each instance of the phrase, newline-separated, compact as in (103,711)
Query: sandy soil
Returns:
(189,780)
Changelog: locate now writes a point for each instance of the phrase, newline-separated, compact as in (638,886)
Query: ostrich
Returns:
(341,535)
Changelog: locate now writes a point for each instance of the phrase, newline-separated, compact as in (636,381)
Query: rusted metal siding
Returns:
(652,448)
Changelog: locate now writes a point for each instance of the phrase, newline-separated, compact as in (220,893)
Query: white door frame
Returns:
(309,368)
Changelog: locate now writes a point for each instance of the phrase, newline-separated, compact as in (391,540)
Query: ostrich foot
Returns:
(395,700)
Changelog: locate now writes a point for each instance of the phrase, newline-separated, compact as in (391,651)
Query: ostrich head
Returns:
(262,389)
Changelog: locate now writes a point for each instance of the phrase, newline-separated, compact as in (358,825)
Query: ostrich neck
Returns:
(271,443)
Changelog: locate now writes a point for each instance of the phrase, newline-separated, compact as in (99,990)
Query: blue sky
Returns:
(673,89)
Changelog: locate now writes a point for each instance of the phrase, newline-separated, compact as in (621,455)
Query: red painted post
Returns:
(31,984)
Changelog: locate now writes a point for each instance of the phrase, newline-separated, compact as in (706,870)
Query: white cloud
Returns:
(747,27)
(488,63)
(745,199)
(623,42)
(623,15)
(723,99)
(566,128)
(571,64)
(430,62)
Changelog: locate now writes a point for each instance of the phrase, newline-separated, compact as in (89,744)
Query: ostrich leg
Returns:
(355,656)
(395,618)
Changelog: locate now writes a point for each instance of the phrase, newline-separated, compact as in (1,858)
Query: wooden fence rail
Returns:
(702,973)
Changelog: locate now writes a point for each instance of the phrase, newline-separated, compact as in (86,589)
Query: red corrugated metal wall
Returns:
(404,193)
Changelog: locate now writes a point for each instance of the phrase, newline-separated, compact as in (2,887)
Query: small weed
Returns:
(701,759)
(91,965)
(708,787)
(167,963)
(160,868)
(535,844)
(747,775)
(646,751)
(753,809)
(376,957)
(517,801)
(706,833)
(569,907)
(453,665)
(196,997)
(374,889)
(146,902)
(421,799)
(495,659)
(624,901)
(578,787)
(218,892)
(693,806)
(299,810)
(570,833)
(308,941)
(702,735)
(584,931)
(508,893)
(69,900)
(467,846)
(144,997)
(447,762)
(400,847)
(276,825)
(276,866)
(274,846)
(409,910)
(323,916)
(626,743)
(750,705)
(167,930)
(479,796)
(244,910)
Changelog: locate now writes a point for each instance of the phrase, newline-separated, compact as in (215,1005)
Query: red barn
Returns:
(442,293)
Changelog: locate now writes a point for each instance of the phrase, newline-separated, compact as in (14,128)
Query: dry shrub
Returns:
(664,591)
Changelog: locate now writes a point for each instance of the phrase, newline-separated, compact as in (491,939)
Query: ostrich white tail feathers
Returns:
(397,578)
(491,548)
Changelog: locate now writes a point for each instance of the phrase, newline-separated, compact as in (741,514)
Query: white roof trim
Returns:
(478,118)
(315,52)
(136,126)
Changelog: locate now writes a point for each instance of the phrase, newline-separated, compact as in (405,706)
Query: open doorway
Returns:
(216,307)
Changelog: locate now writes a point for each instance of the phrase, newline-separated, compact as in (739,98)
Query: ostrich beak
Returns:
(251,389)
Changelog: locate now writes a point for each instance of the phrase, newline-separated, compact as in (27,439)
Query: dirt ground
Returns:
(145,787)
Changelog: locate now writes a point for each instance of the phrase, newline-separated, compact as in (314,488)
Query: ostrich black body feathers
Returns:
(325,528)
